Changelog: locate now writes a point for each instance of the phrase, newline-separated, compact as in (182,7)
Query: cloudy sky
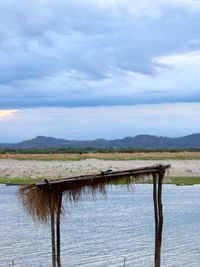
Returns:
(99,68)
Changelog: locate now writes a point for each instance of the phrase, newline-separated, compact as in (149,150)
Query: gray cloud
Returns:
(71,53)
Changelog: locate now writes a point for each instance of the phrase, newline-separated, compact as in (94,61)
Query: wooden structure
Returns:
(43,201)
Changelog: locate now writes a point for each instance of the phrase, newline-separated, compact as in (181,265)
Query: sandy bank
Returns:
(56,169)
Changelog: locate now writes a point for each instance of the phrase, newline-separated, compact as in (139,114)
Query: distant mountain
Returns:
(138,142)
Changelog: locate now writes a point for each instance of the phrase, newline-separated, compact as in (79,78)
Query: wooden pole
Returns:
(124,262)
(52,214)
(155,202)
(58,231)
(53,234)
(158,215)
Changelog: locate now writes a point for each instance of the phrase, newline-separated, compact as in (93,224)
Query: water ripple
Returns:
(104,232)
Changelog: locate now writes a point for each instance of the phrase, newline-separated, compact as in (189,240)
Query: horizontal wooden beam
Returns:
(110,174)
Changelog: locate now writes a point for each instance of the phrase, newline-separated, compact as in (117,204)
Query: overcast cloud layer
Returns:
(107,63)
(90,53)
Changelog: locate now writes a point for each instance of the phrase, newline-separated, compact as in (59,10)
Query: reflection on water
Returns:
(104,232)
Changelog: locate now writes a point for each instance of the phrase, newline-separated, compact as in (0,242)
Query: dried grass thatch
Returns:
(38,199)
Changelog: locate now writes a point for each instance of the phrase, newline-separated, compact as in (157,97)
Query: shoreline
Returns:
(11,169)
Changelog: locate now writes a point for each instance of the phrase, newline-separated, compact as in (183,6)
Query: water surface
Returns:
(105,231)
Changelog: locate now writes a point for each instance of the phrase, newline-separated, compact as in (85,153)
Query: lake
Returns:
(105,231)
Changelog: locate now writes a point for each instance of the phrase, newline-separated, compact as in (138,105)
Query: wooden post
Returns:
(158,215)
(53,246)
(52,214)
(58,231)
(155,202)
(124,262)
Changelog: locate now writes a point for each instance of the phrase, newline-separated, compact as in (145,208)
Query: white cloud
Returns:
(179,59)
(6,114)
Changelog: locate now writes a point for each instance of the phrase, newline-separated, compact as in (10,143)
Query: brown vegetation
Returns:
(106,156)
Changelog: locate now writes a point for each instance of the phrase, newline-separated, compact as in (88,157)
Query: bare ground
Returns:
(11,168)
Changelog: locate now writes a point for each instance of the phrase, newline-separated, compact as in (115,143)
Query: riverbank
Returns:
(27,170)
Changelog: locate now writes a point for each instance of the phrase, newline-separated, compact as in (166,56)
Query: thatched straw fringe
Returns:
(37,201)
(38,198)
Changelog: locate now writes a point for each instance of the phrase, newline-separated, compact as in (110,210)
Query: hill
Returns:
(137,142)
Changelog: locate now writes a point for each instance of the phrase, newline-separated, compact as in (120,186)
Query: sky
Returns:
(99,68)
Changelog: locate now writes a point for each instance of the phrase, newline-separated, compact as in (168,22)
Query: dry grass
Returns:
(47,157)
(183,155)
(38,200)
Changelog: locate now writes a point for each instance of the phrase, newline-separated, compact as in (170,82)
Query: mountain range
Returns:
(137,142)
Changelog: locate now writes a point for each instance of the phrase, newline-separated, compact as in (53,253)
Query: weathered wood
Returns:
(160,210)
(58,231)
(52,219)
(158,215)
(124,262)
(53,240)
(112,175)
(155,202)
